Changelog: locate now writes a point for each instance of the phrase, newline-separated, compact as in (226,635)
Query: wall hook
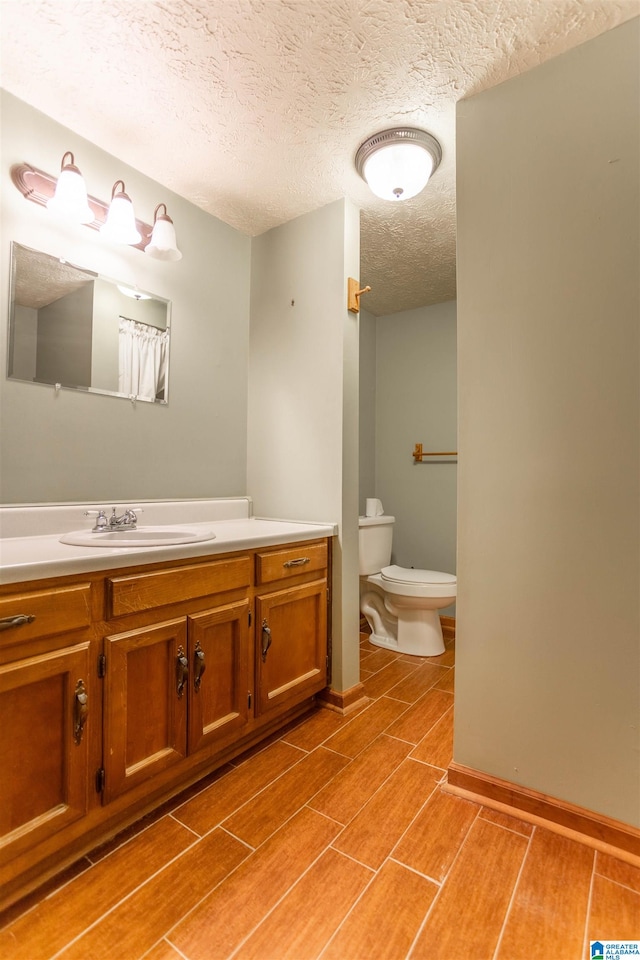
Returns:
(354,294)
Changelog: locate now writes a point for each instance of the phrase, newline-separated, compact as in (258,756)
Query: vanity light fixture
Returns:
(163,244)
(120,224)
(42,188)
(70,197)
(397,163)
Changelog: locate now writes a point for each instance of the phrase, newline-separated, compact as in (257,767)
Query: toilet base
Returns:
(419,634)
(389,643)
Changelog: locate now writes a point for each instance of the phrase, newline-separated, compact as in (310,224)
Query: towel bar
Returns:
(418,453)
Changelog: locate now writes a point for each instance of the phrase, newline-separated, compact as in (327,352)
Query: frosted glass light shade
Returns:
(70,198)
(399,171)
(134,294)
(397,164)
(120,224)
(163,244)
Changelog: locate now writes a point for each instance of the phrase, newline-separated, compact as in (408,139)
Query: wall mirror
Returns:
(73,328)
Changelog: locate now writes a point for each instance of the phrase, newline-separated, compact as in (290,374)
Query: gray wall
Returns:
(105,366)
(24,343)
(416,402)
(63,352)
(76,446)
(367,402)
(303,396)
(408,396)
(548,649)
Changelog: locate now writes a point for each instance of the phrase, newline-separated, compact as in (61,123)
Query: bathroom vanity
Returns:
(127,675)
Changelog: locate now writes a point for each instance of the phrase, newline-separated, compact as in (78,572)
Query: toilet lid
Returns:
(409,575)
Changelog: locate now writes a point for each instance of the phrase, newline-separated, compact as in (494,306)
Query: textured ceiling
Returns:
(254,109)
(41,280)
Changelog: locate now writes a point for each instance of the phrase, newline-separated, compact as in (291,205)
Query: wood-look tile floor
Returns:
(335,841)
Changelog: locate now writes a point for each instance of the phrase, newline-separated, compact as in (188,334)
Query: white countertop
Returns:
(25,558)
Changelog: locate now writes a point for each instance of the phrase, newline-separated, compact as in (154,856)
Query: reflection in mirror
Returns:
(74,328)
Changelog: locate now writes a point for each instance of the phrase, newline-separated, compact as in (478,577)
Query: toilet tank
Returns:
(374,543)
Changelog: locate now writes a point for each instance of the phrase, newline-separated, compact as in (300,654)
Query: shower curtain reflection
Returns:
(142,360)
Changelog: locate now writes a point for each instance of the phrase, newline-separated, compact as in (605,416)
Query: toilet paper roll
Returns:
(374,507)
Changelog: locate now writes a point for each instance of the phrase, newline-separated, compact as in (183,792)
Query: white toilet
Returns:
(400,604)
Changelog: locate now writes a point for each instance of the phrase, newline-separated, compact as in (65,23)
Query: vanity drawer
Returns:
(144,591)
(56,610)
(290,562)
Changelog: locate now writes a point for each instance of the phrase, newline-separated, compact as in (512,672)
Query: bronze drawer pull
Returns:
(7,623)
(300,562)
(266,640)
(80,711)
(182,671)
(199,666)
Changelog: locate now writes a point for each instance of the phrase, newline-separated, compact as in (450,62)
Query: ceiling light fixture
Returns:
(163,244)
(398,163)
(120,224)
(134,294)
(70,197)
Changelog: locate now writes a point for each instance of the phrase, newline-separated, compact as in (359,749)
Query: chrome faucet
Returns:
(127,520)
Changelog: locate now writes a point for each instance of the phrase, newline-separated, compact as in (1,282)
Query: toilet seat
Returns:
(409,575)
(406,582)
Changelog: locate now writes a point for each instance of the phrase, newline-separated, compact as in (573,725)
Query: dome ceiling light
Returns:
(397,163)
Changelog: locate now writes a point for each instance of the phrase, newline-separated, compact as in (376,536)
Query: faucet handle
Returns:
(101,522)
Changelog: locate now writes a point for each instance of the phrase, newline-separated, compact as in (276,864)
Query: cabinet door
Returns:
(43,746)
(291,644)
(145,704)
(219,696)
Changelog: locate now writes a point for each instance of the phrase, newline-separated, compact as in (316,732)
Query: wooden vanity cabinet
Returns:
(172,689)
(198,682)
(145,723)
(221,697)
(47,708)
(118,689)
(291,625)
(181,685)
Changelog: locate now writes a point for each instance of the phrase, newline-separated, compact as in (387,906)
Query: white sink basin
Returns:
(163,536)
